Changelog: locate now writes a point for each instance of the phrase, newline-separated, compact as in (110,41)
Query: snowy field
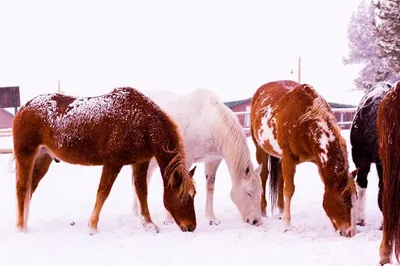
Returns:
(67,194)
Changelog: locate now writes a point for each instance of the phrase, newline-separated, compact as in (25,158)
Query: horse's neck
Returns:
(336,161)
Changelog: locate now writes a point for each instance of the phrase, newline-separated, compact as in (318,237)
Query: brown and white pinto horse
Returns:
(121,128)
(388,124)
(293,122)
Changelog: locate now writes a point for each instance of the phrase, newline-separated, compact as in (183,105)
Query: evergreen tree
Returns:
(387,31)
(363,45)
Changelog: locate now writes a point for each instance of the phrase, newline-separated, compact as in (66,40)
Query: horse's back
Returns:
(363,132)
(198,114)
(96,128)
(281,117)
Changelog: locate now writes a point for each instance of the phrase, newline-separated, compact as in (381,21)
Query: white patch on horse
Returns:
(265,133)
(361,204)
(326,137)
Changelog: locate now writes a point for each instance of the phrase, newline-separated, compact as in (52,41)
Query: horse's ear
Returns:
(354,173)
(192,171)
(258,169)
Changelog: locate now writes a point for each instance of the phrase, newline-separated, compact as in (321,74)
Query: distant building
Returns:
(344,113)
(6,119)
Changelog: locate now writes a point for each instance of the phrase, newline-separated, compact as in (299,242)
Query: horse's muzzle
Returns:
(188,227)
(349,232)
(256,222)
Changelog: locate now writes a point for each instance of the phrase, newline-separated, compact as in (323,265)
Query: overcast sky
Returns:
(229,47)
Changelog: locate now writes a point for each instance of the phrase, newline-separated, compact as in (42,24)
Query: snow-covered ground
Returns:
(67,194)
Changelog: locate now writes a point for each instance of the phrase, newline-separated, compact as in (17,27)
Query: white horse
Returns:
(212,132)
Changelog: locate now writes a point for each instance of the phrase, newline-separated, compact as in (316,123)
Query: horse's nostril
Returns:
(247,220)
(254,222)
(190,229)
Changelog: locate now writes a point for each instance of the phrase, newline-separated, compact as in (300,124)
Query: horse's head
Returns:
(246,194)
(339,204)
(179,199)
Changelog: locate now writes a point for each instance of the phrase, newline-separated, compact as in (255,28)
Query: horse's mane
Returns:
(230,137)
(178,166)
(319,109)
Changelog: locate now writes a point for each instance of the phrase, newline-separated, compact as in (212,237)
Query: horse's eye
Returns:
(248,194)
(246,172)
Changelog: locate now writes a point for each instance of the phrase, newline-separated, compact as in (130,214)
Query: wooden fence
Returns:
(7,132)
(343,124)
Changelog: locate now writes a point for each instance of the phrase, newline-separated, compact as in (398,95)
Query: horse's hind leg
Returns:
(140,173)
(262,158)
(108,176)
(24,165)
(40,168)
(210,172)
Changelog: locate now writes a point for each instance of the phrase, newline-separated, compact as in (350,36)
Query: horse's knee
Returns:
(210,182)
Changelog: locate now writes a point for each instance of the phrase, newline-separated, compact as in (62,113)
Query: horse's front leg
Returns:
(288,171)
(210,172)
(140,173)
(363,163)
(150,171)
(109,174)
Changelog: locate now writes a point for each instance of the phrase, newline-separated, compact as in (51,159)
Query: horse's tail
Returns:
(389,131)
(274,165)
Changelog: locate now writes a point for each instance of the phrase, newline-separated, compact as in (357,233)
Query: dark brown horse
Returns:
(121,128)
(293,122)
(388,123)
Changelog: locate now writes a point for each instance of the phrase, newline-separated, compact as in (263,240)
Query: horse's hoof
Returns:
(384,261)
(151,227)
(21,229)
(287,228)
(214,222)
(93,231)
(361,222)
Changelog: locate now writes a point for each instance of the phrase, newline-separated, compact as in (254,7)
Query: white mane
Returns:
(229,135)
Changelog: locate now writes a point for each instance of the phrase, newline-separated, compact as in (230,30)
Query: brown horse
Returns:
(388,124)
(121,128)
(293,122)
